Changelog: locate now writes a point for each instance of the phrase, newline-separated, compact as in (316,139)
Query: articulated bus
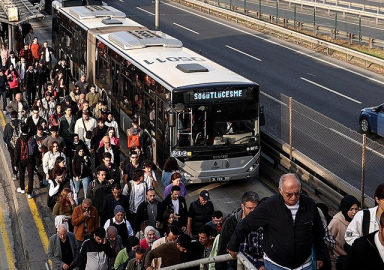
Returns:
(191,108)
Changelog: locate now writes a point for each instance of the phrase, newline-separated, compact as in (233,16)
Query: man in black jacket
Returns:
(200,212)
(151,210)
(25,159)
(292,226)
(178,206)
(8,134)
(249,202)
(367,252)
(95,251)
(113,170)
(107,147)
(110,202)
(29,83)
(34,120)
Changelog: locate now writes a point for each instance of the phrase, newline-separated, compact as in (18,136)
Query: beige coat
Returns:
(337,227)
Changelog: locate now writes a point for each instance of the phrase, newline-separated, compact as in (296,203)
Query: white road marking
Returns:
(274,99)
(145,11)
(330,90)
(197,33)
(358,143)
(243,53)
(277,44)
(122,1)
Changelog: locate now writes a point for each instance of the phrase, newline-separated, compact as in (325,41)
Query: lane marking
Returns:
(229,47)
(10,263)
(330,90)
(274,99)
(358,143)
(186,28)
(145,11)
(280,45)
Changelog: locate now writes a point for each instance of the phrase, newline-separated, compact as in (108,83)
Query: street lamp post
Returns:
(157,15)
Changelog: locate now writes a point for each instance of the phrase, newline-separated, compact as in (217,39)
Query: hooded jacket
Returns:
(94,256)
(25,139)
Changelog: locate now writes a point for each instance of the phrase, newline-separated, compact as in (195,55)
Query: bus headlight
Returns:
(253,167)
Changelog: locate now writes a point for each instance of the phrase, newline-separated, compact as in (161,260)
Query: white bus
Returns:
(191,108)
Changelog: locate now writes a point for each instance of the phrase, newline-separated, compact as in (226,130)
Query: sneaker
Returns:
(14,177)
(5,112)
(22,191)
(30,196)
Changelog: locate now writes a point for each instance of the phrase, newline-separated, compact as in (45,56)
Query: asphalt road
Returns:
(334,88)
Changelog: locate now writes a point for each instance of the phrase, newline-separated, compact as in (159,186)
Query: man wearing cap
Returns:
(29,84)
(200,212)
(95,251)
(55,137)
(171,253)
(84,126)
(25,160)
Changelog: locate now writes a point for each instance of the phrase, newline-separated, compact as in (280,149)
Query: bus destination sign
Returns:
(218,95)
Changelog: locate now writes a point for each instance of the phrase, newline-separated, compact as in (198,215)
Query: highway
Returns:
(334,88)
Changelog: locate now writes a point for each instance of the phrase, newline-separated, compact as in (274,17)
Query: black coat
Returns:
(200,215)
(286,242)
(101,151)
(364,255)
(32,126)
(183,210)
(3,84)
(109,205)
(142,214)
(8,130)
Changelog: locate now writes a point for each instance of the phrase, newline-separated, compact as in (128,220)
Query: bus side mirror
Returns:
(171,119)
(261,117)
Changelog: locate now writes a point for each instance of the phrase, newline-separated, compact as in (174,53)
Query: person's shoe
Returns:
(30,196)
(14,176)
(22,191)
(5,112)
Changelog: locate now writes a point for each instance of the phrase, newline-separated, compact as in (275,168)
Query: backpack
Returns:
(32,146)
(15,134)
(133,140)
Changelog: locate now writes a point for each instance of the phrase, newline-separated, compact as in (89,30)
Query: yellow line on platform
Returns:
(6,242)
(2,120)
(39,223)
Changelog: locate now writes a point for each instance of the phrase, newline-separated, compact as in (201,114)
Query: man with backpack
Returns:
(135,135)
(25,151)
(11,134)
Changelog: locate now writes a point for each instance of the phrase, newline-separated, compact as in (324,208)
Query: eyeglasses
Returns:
(250,208)
(290,194)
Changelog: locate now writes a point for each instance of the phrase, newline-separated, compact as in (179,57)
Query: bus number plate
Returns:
(218,179)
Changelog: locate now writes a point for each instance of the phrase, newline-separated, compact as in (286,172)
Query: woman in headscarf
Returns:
(81,170)
(349,206)
(114,241)
(151,235)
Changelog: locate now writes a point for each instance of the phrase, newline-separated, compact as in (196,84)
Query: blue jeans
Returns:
(270,266)
(85,182)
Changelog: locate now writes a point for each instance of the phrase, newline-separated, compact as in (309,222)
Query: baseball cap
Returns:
(204,194)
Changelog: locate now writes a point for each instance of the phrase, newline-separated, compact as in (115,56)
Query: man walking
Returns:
(292,226)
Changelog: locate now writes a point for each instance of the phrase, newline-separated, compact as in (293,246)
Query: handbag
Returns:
(88,133)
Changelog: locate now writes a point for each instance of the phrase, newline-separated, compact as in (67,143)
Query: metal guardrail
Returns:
(348,9)
(252,22)
(348,4)
(242,262)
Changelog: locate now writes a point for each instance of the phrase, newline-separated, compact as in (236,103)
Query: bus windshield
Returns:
(217,124)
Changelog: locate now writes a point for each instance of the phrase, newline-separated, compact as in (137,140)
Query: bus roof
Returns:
(166,60)
(96,17)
